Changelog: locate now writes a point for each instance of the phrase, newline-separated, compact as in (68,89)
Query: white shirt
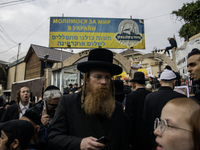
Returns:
(23,108)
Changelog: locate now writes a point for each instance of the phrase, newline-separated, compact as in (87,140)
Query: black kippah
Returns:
(168,67)
(33,116)
(51,87)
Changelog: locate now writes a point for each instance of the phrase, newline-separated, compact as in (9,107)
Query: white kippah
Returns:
(152,76)
(148,86)
(167,75)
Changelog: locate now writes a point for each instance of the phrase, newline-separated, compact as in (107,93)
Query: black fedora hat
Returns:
(139,78)
(100,58)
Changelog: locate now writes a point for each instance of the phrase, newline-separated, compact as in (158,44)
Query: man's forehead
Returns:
(193,60)
(99,71)
(24,88)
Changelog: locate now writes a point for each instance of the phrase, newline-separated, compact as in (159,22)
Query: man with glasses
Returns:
(175,130)
(155,101)
(84,117)
(47,107)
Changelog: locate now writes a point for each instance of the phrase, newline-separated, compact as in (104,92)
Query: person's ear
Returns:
(15,143)
(38,128)
(86,81)
(174,82)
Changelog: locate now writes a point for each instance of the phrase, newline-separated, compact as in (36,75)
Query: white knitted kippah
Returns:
(167,75)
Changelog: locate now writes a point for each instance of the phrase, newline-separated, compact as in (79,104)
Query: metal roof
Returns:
(54,54)
(20,60)
(4,62)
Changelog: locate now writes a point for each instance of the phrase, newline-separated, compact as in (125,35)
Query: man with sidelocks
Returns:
(16,110)
(82,118)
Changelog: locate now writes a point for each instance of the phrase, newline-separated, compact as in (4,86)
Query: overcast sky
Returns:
(27,22)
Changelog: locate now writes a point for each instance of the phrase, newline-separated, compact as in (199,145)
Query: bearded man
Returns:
(82,118)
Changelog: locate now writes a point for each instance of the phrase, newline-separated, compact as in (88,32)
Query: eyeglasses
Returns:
(100,77)
(162,124)
(52,106)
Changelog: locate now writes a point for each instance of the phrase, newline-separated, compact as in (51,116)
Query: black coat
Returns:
(70,125)
(11,113)
(153,106)
(172,42)
(38,108)
(134,110)
(2,110)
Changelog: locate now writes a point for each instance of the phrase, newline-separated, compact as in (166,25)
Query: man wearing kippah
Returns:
(38,141)
(15,134)
(84,117)
(47,107)
(155,101)
(193,64)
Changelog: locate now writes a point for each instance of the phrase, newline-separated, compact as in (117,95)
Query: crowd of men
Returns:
(105,114)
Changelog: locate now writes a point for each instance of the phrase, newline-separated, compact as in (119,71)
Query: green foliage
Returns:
(190,13)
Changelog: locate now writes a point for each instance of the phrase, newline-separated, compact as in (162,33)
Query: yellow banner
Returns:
(96,32)
(91,40)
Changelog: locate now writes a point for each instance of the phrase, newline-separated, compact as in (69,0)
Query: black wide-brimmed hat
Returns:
(100,58)
(139,78)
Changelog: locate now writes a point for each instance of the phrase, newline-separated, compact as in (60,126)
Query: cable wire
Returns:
(14,3)
(156,17)
(34,31)
(8,49)
(4,32)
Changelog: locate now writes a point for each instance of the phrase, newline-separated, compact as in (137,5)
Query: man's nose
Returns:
(103,80)
(156,132)
(189,69)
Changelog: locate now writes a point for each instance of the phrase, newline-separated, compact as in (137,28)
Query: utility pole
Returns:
(45,71)
(61,58)
(17,61)
(45,58)
(132,49)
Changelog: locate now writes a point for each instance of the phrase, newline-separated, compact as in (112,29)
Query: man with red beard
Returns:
(84,117)
(16,110)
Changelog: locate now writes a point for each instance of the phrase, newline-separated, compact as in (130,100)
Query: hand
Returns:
(45,118)
(90,143)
